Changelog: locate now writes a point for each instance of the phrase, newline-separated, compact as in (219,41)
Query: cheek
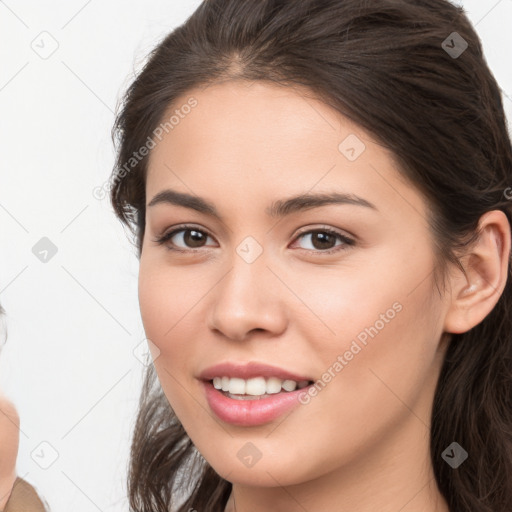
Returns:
(153,303)
(374,333)
(396,370)
(163,308)
(169,324)
(172,301)
(377,372)
(339,304)
(166,297)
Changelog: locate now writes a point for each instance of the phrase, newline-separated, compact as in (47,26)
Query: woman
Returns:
(318,195)
(16,495)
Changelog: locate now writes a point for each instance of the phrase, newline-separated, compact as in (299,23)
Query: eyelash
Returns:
(347,242)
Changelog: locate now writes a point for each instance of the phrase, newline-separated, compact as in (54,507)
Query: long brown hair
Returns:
(387,66)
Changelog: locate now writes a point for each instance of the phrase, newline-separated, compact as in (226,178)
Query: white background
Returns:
(73,322)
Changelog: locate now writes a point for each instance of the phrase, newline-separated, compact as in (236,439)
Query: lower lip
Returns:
(247,413)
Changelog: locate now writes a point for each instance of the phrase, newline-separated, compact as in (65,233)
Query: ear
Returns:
(486,264)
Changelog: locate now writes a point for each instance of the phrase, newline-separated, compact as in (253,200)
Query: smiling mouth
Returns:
(247,403)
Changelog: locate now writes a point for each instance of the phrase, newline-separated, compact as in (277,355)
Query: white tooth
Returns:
(255,386)
(289,385)
(302,384)
(236,386)
(273,385)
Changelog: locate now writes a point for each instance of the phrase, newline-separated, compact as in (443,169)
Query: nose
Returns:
(248,299)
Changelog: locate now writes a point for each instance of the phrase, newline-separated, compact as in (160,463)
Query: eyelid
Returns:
(325,227)
(348,240)
(167,235)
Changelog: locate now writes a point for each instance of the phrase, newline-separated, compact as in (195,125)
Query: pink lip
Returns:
(249,370)
(248,413)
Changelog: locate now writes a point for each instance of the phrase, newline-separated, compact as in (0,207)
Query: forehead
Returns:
(257,113)
(256,139)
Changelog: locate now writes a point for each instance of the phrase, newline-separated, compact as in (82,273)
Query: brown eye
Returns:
(184,238)
(193,238)
(325,240)
(321,240)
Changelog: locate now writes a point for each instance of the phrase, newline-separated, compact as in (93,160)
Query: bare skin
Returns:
(362,443)
(9,440)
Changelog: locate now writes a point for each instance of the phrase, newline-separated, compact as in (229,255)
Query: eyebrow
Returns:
(278,208)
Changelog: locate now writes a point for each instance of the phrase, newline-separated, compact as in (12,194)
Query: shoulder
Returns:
(24,498)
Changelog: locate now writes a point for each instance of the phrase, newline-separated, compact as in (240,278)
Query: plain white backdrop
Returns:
(74,357)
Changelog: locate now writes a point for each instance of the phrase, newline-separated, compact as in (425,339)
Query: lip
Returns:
(249,370)
(249,413)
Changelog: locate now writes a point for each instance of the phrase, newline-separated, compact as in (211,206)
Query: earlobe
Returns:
(486,264)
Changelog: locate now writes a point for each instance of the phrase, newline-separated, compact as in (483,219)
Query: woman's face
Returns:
(337,292)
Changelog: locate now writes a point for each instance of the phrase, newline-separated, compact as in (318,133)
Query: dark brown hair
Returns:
(383,65)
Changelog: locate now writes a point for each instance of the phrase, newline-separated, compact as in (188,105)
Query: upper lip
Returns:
(248,371)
